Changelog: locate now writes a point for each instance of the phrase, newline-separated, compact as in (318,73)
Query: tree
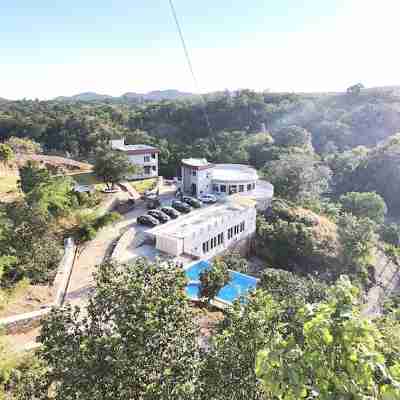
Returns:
(293,136)
(297,177)
(355,89)
(369,205)
(213,279)
(113,166)
(358,240)
(23,145)
(338,355)
(135,340)
(6,154)
(32,175)
(229,371)
(52,197)
(28,244)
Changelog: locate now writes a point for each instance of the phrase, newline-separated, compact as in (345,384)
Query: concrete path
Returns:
(93,254)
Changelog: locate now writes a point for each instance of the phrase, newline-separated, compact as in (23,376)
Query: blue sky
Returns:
(59,47)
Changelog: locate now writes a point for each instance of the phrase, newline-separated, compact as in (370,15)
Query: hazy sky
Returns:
(62,47)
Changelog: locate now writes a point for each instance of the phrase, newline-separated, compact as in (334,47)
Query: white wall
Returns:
(169,245)
(138,159)
(193,244)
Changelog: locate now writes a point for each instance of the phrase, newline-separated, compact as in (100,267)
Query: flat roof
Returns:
(233,172)
(185,225)
(196,162)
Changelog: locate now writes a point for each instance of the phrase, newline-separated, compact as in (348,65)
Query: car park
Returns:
(147,220)
(208,198)
(171,212)
(159,215)
(181,206)
(192,201)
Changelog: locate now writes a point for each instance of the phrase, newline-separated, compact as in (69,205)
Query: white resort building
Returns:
(139,154)
(201,177)
(208,231)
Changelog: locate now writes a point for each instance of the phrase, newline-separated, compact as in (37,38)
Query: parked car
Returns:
(171,212)
(208,198)
(147,220)
(158,214)
(114,189)
(181,206)
(192,201)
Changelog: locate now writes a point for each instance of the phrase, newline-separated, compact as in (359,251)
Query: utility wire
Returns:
(187,55)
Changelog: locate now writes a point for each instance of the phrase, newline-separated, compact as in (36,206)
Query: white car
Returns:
(208,198)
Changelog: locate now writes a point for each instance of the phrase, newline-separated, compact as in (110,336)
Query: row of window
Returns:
(213,242)
(219,239)
(147,158)
(147,169)
(233,188)
(234,230)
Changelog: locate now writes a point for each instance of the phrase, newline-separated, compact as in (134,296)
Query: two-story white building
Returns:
(201,177)
(142,155)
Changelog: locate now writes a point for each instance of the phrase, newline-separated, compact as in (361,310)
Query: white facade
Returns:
(209,231)
(201,177)
(144,156)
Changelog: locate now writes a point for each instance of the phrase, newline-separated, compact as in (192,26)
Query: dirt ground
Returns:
(27,299)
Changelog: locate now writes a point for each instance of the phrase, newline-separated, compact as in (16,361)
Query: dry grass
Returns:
(8,184)
(145,184)
(24,298)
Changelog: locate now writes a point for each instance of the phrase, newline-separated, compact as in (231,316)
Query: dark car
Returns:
(181,206)
(158,214)
(147,220)
(192,201)
(171,212)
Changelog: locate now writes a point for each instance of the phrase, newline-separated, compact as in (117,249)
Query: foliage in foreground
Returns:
(138,339)
(338,355)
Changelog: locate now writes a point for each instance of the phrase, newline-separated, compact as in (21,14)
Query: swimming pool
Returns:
(239,285)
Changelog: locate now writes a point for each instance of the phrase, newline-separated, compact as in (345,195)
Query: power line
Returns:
(189,62)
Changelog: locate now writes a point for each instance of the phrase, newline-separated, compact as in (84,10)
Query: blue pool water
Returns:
(238,286)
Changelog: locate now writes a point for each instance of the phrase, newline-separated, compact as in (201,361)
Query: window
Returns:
(146,170)
(241,188)
(154,168)
(194,172)
(212,243)
(249,186)
(215,188)
(254,185)
(242,226)
(146,158)
(153,156)
(232,189)
(223,188)
(204,247)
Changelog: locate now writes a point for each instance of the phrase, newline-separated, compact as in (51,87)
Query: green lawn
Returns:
(145,184)
(8,184)
(88,178)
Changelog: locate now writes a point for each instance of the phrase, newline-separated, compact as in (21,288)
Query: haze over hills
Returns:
(156,95)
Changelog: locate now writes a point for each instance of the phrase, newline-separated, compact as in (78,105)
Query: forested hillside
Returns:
(244,127)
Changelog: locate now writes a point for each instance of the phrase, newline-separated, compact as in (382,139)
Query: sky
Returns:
(50,48)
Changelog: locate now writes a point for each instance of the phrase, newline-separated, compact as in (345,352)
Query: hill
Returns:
(156,95)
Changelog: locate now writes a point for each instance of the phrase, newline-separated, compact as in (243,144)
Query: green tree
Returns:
(113,166)
(229,371)
(213,279)
(135,340)
(6,154)
(369,205)
(293,136)
(52,197)
(297,177)
(28,244)
(23,145)
(32,175)
(338,355)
